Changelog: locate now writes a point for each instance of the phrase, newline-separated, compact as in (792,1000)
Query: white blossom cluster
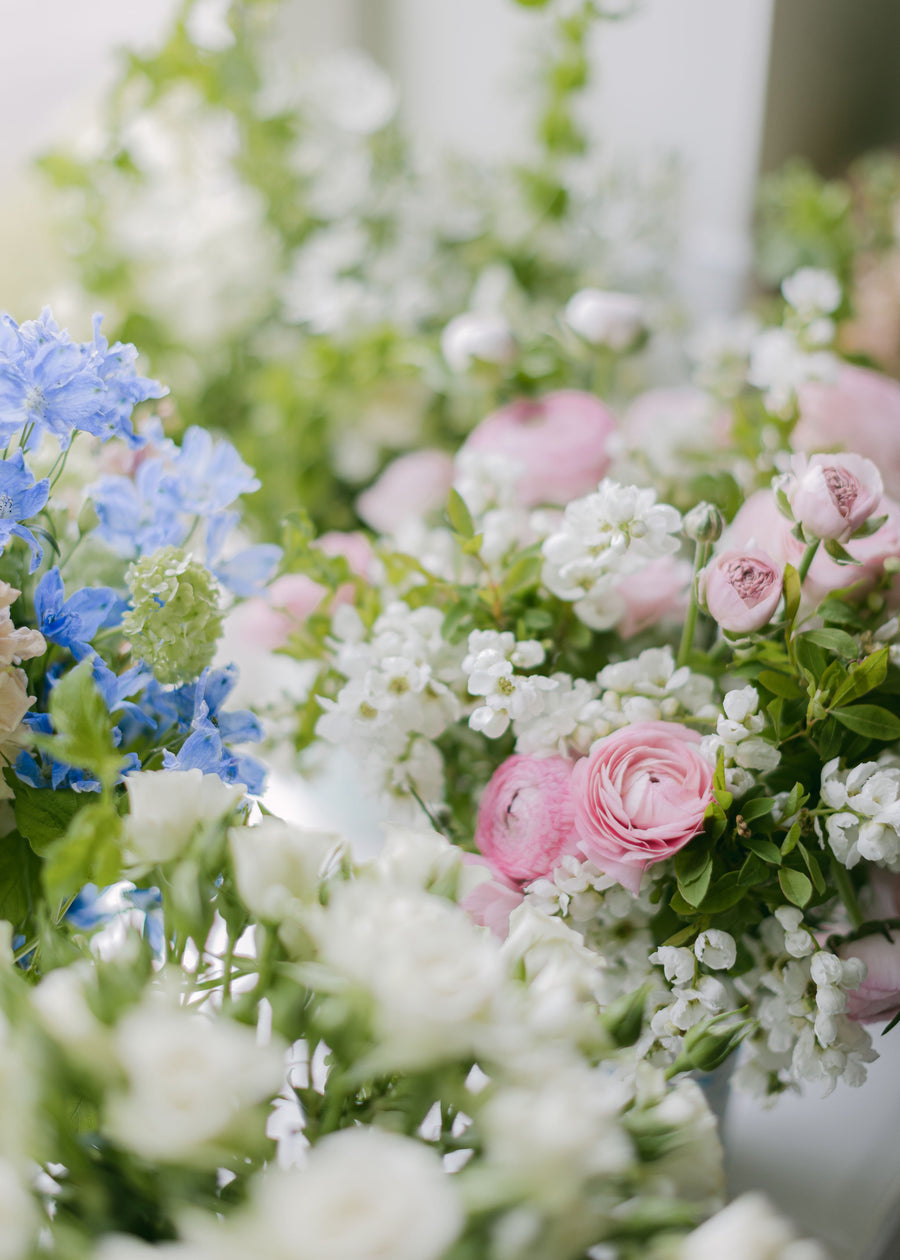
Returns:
(866,821)
(603,537)
(693,995)
(487,483)
(504,695)
(739,738)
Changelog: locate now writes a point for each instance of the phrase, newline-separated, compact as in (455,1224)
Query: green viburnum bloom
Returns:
(176,619)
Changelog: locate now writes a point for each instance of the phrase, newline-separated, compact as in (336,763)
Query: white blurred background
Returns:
(729,87)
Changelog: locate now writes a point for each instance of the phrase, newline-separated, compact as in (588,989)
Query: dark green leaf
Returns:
(754,871)
(725,893)
(88,853)
(757,808)
(812,865)
(790,842)
(780,684)
(869,720)
(864,677)
(768,850)
(833,641)
(693,870)
(43,816)
(19,878)
(792,593)
(524,574)
(795,886)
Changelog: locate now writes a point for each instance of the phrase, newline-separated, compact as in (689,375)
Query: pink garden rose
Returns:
(741,589)
(408,489)
(656,592)
(878,997)
(833,495)
(859,411)
(561,440)
(525,818)
(640,797)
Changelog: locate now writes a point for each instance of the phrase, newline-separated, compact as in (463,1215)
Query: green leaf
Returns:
(725,893)
(524,574)
(838,553)
(864,677)
(792,593)
(833,640)
(88,852)
(693,871)
(43,816)
(791,840)
(780,684)
(757,808)
(472,546)
(797,798)
(870,720)
(19,878)
(754,871)
(795,886)
(82,722)
(768,850)
(459,515)
(815,871)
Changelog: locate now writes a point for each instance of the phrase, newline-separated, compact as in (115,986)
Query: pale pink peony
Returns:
(640,797)
(860,410)
(408,489)
(741,589)
(760,524)
(492,901)
(561,441)
(833,495)
(878,997)
(525,818)
(653,594)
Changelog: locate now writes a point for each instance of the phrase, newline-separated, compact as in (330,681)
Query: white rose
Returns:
(278,865)
(167,807)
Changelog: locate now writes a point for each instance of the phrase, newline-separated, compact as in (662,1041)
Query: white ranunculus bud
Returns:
(168,806)
(603,318)
(477,338)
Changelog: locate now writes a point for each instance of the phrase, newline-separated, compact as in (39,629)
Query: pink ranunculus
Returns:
(408,489)
(833,495)
(492,901)
(270,618)
(878,997)
(656,592)
(561,440)
(525,818)
(859,411)
(353,546)
(640,797)
(741,589)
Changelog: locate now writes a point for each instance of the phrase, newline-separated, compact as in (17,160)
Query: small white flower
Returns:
(169,806)
(716,949)
(678,964)
(603,318)
(812,292)
(278,865)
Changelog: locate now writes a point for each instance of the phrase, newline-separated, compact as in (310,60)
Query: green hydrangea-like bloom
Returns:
(176,620)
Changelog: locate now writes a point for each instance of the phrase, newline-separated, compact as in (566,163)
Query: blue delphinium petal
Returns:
(72,623)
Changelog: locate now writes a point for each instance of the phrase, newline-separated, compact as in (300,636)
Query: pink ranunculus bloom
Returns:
(833,495)
(860,410)
(562,441)
(878,997)
(525,818)
(760,524)
(653,594)
(640,797)
(408,489)
(741,589)
(492,901)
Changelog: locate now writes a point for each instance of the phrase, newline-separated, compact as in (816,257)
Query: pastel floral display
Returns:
(646,679)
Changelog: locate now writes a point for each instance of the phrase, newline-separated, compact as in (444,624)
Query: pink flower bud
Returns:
(833,495)
(408,489)
(562,441)
(525,818)
(741,590)
(640,797)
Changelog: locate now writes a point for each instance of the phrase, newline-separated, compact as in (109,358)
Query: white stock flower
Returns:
(188,1078)
(169,806)
(506,696)
(748,1229)
(278,865)
(364,1194)
(867,822)
(604,318)
(738,736)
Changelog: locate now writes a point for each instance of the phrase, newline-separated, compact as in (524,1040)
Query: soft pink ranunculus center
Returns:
(520,812)
(750,581)
(843,488)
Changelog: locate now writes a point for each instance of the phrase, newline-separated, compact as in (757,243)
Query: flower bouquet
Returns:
(667,741)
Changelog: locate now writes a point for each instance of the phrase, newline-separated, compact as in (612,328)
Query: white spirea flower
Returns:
(477,338)
(867,822)
(798,941)
(278,865)
(188,1078)
(364,1194)
(679,964)
(779,366)
(716,949)
(505,695)
(604,318)
(169,806)
(433,978)
(812,292)
(738,735)
(748,1229)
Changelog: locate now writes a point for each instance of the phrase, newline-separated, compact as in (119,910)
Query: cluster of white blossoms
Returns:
(739,738)
(605,536)
(504,695)
(694,995)
(804,1033)
(866,823)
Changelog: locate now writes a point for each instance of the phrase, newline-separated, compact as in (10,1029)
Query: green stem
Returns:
(701,555)
(808,556)
(226,963)
(841,877)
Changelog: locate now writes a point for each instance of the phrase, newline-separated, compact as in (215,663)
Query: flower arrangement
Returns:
(280,247)
(666,734)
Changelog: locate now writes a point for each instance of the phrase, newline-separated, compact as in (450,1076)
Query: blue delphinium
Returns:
(21,498)
(73,622)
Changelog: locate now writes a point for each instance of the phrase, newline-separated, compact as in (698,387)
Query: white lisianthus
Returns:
(188,1079)
(363,1195)
(748,1229)
(278,865)
(63,1010)
(423,859)
(167,808)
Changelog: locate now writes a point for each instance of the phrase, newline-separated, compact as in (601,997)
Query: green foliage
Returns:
(83,732)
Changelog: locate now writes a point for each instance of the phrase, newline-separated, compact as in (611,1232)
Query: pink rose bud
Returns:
(410,488)
(878,997)
(833,495)
(561,440)
(741,590)
(492,901)
(860,410)
(525,818)
(640,797)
